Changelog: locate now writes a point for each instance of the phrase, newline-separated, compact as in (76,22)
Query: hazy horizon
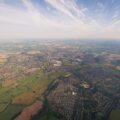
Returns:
(59,19)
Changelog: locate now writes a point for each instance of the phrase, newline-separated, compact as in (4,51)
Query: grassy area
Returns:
(5,98)
(27,91)
(10,112)
(3,106)
(36,85)
(115,115)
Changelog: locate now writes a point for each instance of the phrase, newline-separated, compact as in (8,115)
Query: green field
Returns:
(10,112)
(115,115)
(37,82)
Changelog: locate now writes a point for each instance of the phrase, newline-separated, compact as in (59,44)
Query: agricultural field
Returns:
(3,58)
(59,81)
(25,93)
(31,110)
(115,115)
(10,112)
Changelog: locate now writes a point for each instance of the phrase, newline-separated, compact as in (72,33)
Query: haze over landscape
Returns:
(59,59)
(60,19)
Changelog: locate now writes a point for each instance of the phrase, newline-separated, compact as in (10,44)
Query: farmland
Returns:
(3,58)
(115,115)
(61,81)
(28,90)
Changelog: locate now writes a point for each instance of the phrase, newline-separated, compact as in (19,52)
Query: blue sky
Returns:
(60,19)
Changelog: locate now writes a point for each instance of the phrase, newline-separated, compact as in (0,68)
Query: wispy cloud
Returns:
(73,22)
(68,7)
(35,14)
(116,23)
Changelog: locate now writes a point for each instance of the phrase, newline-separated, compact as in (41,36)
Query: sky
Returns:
(59,19)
